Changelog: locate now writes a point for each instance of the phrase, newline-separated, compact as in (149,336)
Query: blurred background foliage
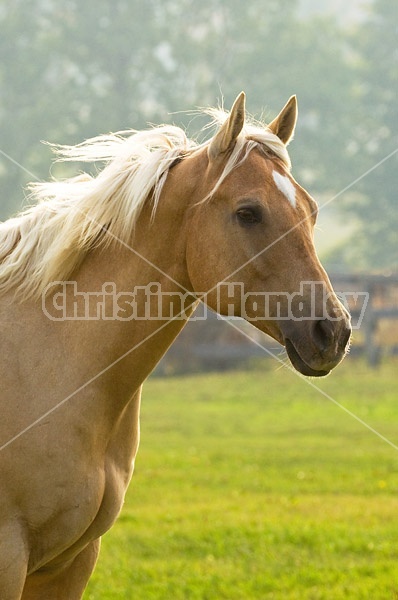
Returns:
(72,70)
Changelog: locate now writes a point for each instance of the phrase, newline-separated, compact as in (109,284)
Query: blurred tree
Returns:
(374,142)
(67,71)
(72,70)
(24,98)
(270,53)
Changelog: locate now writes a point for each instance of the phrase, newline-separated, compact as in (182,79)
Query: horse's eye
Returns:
(249,215)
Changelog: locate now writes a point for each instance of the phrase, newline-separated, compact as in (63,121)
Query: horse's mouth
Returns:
(299,364)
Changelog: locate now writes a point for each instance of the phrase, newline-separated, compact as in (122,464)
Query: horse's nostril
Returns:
(326,332)
(323,333)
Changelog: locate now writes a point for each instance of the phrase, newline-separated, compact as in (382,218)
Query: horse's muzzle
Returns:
(314,350)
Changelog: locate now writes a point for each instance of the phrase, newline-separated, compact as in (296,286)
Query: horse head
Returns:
(250,247)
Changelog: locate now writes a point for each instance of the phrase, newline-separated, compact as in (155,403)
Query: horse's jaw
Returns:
(300,365)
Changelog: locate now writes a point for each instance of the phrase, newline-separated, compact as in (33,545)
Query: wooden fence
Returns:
(373,303)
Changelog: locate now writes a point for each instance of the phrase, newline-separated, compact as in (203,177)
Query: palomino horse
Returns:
(165,222)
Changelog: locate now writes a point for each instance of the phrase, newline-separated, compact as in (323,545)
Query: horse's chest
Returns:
(83,503)
(116,479)
(118,464)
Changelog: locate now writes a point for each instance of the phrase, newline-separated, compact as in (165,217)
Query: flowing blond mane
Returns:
(48,240)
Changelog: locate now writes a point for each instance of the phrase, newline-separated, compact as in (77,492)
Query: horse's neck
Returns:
(151,268)
(156,254)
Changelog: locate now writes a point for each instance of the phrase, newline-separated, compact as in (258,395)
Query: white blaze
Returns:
(287,188)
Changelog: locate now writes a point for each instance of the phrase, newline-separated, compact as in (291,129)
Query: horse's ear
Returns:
(283,125)
(226,136)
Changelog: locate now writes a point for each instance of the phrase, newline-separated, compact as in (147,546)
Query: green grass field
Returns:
(253,485)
